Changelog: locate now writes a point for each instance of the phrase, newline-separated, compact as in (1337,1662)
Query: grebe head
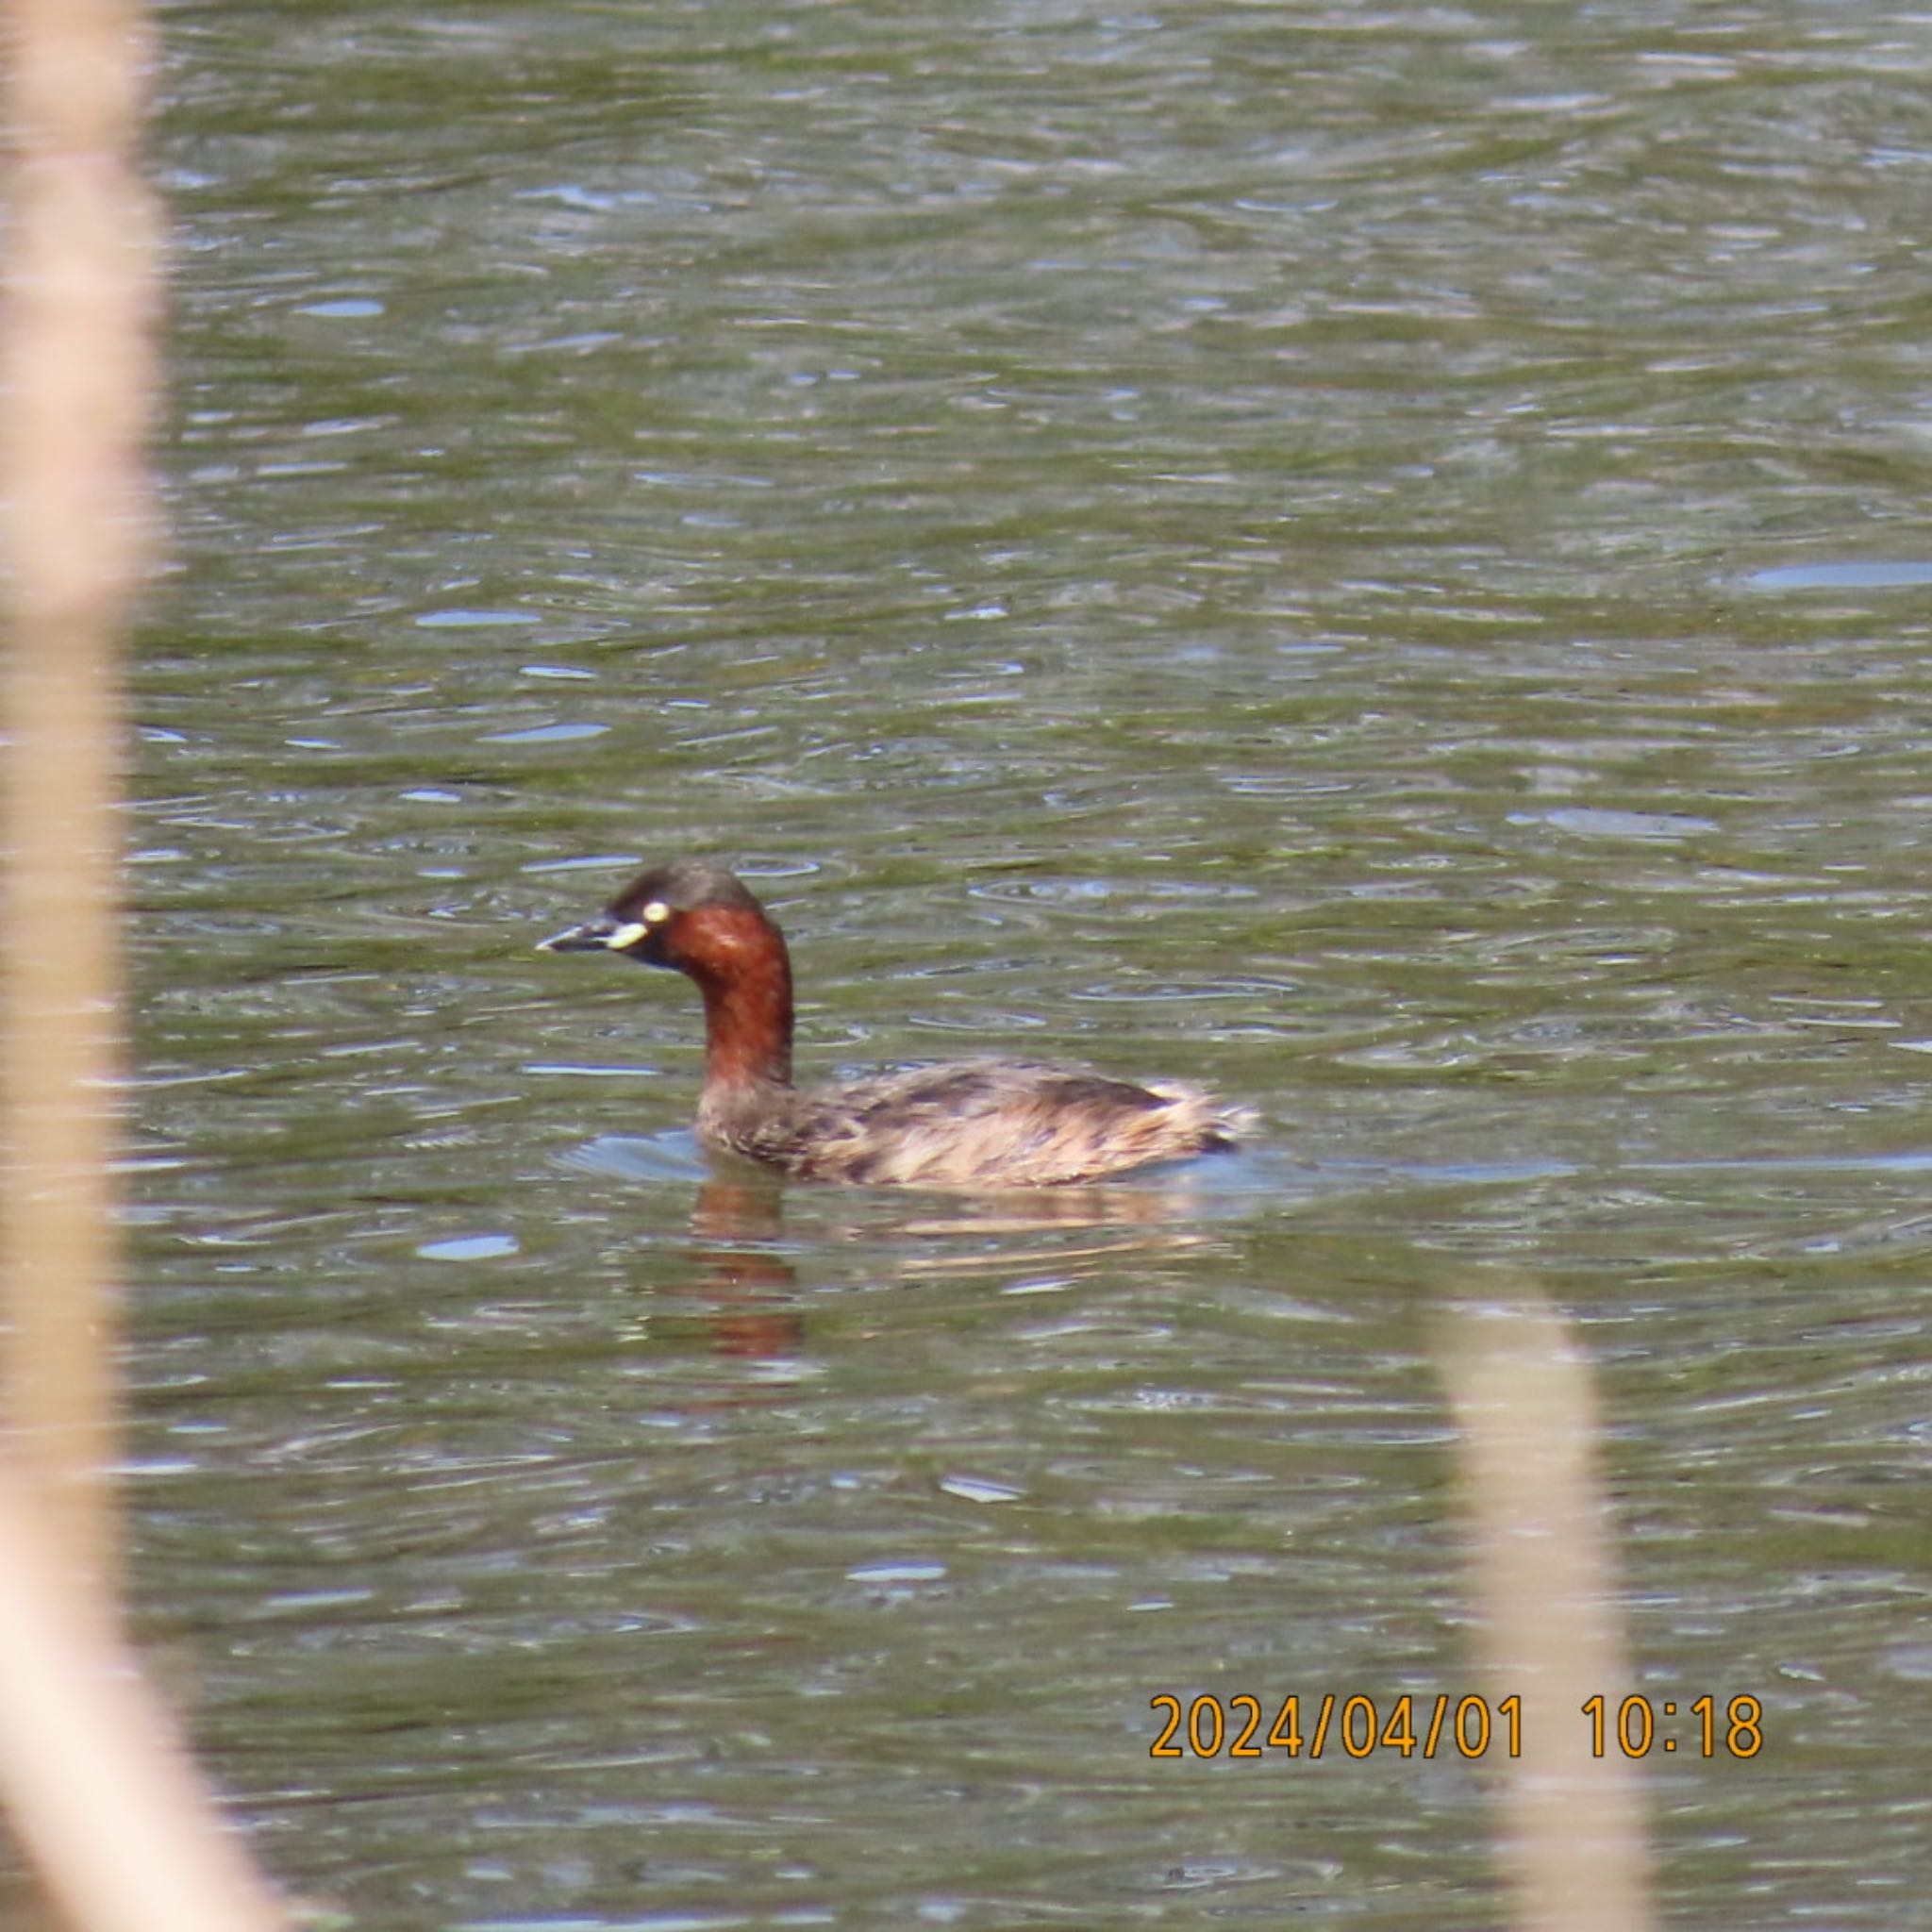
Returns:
(689,916)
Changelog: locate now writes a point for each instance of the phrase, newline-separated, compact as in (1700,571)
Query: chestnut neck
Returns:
(745,975)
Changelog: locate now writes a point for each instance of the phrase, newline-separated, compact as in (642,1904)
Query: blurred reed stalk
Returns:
(1543,1586)
(77,380)
(105,1803)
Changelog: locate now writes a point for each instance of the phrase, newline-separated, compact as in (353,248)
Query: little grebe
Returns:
(991,1124)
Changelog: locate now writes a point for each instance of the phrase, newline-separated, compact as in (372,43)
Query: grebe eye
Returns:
(623,936)
(656,912)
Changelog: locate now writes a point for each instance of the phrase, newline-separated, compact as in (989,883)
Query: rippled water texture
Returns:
(1374,558)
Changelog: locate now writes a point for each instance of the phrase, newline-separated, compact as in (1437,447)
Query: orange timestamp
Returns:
(1211,1726)
(1737,1730)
